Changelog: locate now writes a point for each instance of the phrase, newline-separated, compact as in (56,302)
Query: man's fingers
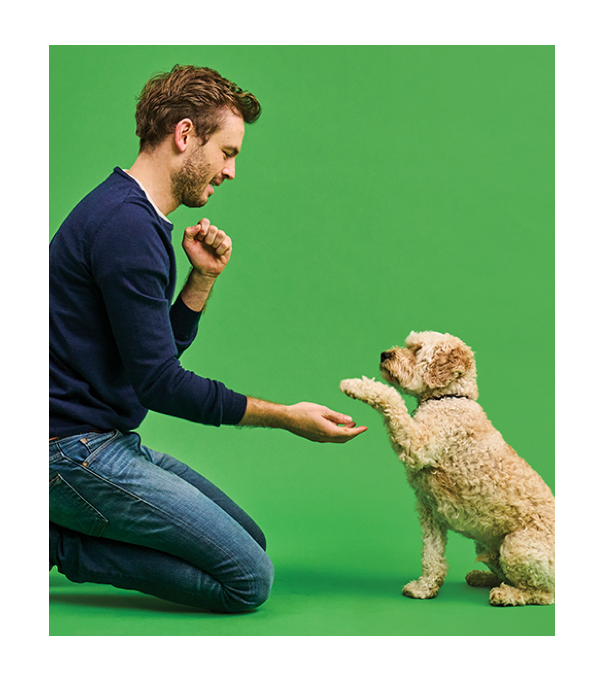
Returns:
(338,418)
(219,237)
(207,234)
(345,428)
(199,231)
(351,432)
(224,247)
(191,233)
(210,235)
(341,435)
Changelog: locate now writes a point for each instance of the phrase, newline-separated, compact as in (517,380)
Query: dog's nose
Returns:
(386,356)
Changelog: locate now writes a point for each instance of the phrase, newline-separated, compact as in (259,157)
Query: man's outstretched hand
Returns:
(308,420)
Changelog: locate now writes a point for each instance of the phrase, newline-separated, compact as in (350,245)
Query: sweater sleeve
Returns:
(184,322)
(131,267)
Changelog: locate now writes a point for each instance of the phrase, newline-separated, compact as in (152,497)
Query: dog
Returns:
(465,476)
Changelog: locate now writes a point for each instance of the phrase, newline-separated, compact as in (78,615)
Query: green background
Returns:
(384,189)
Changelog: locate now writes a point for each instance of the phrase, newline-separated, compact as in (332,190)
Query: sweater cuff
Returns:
(184,322)
(237,411)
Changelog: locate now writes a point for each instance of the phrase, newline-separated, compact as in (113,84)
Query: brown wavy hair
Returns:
(186,92)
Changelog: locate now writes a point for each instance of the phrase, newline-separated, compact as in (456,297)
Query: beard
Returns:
(191,180)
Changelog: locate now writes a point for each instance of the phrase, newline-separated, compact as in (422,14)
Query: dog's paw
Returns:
(421,589)
(370,391)
(352,387)
(505,595)
(349,387)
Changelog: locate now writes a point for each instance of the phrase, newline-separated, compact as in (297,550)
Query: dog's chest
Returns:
(452,496)
(461,498)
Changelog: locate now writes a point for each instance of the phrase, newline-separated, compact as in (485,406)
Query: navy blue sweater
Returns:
(115,338)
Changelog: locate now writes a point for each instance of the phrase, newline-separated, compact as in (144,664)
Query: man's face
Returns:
(209,165)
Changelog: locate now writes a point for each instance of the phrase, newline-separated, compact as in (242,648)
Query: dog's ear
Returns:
(449,361)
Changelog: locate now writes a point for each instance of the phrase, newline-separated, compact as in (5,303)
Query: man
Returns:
(121,513)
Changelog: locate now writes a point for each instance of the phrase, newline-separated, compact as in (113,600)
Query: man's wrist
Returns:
(201,278)
(261,413)
(197,290)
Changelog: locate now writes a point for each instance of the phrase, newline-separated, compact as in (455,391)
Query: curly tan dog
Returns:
(466,477)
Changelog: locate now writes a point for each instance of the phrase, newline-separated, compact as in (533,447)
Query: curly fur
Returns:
(466,477)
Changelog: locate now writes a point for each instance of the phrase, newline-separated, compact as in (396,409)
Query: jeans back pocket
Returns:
(68,508)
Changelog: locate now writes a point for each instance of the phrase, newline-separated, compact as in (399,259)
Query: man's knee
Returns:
(254,588)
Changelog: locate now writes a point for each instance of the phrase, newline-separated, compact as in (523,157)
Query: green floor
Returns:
(307,599)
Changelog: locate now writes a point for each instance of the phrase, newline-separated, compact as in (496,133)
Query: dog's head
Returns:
(431,365)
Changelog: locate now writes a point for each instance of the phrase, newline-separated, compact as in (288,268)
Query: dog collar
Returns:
(440,398)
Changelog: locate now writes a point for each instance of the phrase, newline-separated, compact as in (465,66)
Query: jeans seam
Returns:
(170,516)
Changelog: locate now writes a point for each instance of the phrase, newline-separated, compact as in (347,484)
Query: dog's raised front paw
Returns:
(370,391)
(421,589)
(352,387)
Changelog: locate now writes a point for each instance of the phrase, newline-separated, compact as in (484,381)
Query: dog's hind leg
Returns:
(528,562)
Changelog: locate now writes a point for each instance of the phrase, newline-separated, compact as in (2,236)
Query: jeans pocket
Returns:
(84,448)
(68,508)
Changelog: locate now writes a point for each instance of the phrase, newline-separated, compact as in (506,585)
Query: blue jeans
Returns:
(125,515)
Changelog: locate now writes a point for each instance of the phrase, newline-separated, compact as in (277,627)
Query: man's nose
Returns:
(229,169)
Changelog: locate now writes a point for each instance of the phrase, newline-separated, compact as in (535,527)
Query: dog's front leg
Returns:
(405,435)
(434,564)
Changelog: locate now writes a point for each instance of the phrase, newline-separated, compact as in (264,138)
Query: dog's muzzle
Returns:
(386,355)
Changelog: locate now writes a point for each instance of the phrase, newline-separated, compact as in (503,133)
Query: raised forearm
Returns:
(208,250)
(197,290)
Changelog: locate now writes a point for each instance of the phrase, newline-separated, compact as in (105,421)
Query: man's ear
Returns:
(183,133)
